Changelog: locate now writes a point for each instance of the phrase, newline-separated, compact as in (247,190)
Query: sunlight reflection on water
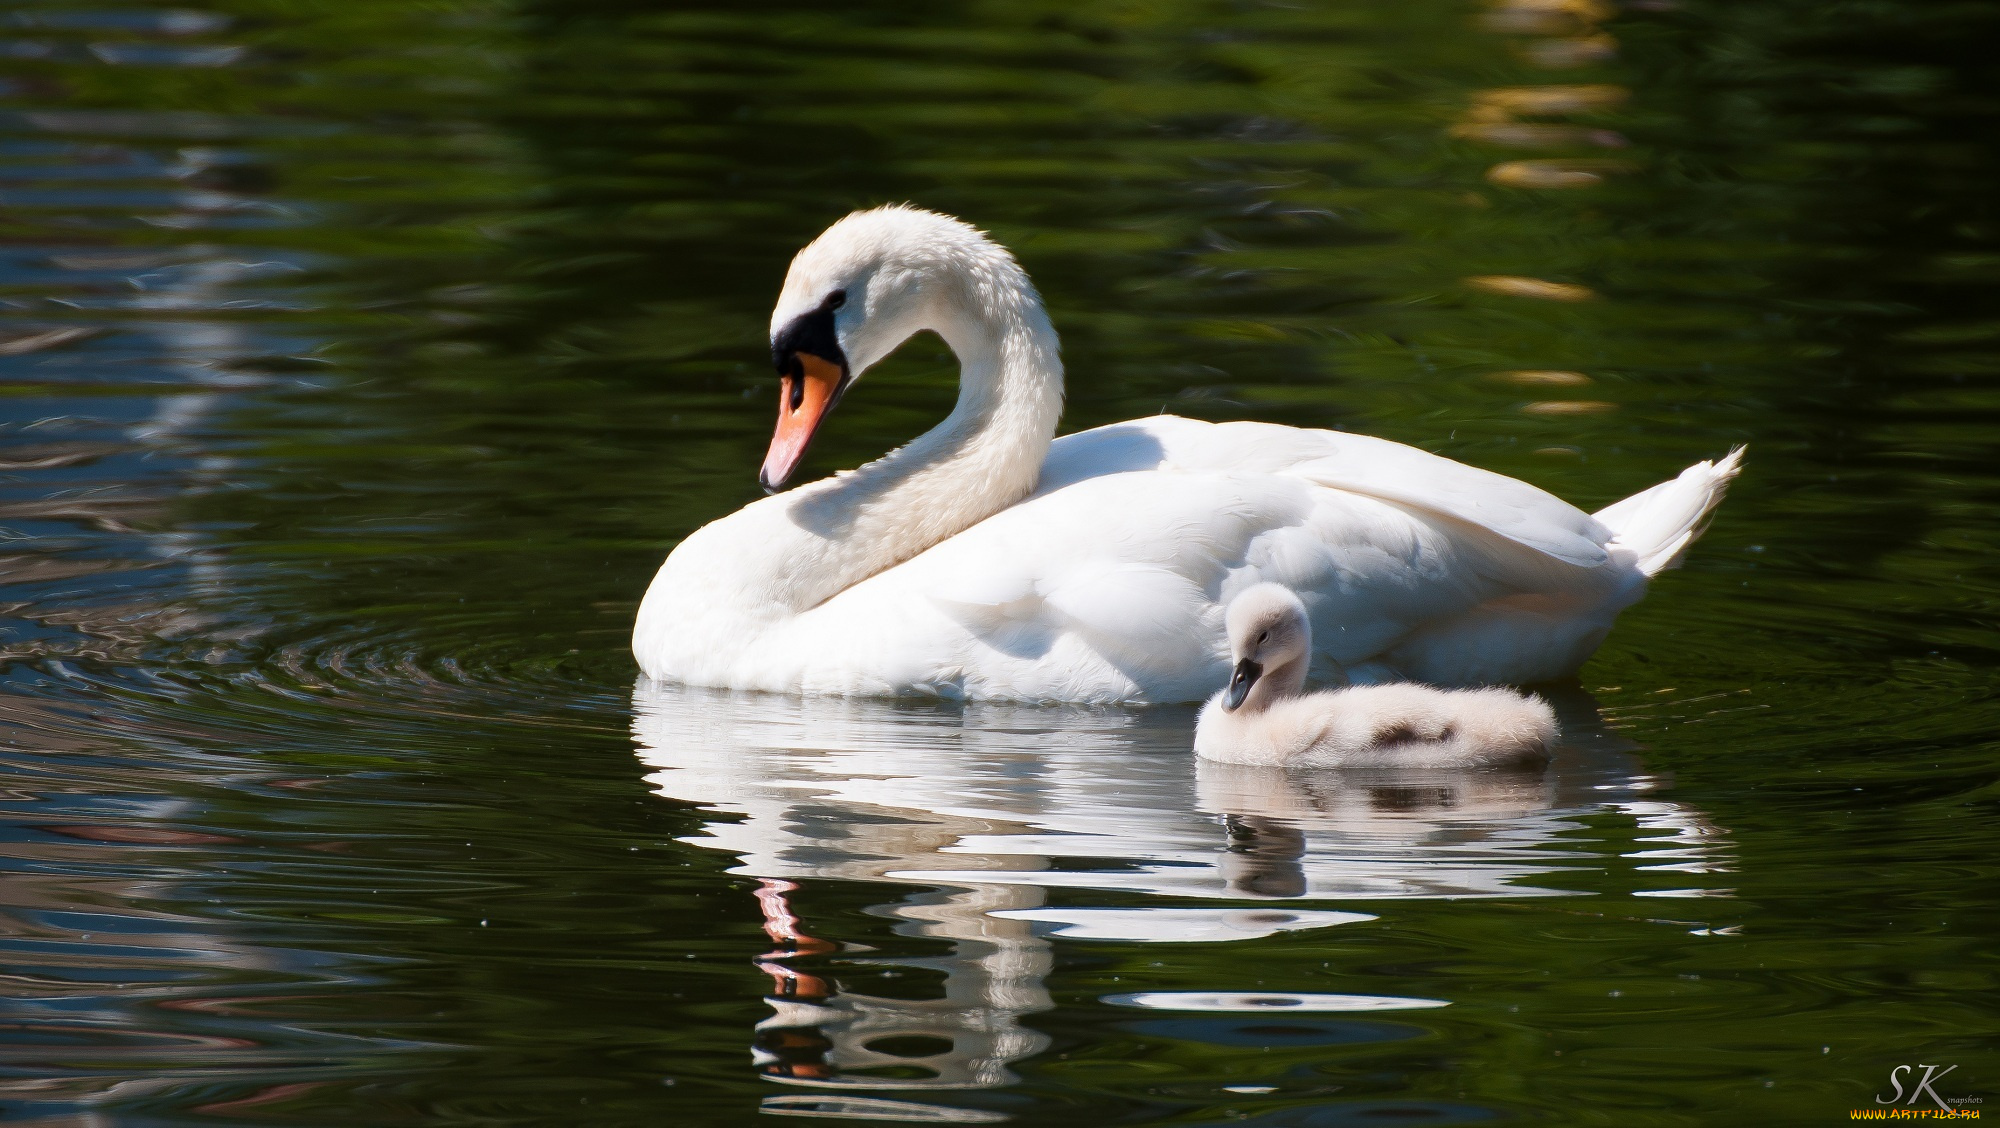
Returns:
(987,810)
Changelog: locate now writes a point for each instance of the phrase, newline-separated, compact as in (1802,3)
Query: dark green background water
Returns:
(362,359)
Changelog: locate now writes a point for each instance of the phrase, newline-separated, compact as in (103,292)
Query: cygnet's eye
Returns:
(836,299)
(1263,637)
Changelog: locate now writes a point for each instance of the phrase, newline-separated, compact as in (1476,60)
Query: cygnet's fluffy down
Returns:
(1262,718)
(1380,726)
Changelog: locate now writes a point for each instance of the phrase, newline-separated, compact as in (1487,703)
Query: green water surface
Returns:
(361,359)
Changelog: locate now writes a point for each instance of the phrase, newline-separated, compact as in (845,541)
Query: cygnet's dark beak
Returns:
(1240,681)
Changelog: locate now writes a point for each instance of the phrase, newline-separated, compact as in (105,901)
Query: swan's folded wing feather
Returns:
(1111,549)
(1359,464)
(992,588)
(1501,505)
(1118,571)
(1127,605)
(1109,577)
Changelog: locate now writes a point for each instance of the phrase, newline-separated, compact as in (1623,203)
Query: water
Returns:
(361,361)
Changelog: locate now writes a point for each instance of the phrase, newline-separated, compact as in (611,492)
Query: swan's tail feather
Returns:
(1658,524)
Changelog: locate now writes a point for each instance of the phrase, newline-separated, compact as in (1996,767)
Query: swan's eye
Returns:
(836,299)
(1263,637)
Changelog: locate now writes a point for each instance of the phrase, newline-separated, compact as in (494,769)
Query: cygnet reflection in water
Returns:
(1263,716)
(982,810)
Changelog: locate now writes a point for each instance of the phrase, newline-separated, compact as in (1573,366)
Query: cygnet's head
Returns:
(867,284)
(1268,633)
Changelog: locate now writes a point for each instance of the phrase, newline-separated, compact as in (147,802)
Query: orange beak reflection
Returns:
(807,394)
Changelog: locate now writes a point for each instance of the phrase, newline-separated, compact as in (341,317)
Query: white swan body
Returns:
(982,561)
(1262,719)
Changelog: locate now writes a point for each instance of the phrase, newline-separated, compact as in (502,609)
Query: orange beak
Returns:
(808,393)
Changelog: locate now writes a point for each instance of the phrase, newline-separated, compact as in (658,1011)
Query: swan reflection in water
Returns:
(982,810)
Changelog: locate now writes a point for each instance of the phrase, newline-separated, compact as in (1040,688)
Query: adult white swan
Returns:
(985,561)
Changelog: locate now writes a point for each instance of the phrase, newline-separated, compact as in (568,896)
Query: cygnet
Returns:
(1262,717)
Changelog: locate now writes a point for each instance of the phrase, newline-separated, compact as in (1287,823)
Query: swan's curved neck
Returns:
(985,456)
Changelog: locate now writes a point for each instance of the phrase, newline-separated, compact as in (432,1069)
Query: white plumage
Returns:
(984,561)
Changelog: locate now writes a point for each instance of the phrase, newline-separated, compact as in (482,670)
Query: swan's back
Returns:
(1108,582)
(1505,507)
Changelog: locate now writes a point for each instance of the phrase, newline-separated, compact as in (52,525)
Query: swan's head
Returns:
(866,285)
(1268,630)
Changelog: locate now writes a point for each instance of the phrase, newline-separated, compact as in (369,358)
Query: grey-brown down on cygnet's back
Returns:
(1263,716)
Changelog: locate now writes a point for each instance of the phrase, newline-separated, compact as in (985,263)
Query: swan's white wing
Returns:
(1356,463)
(1121,579)
(1109,581)
(1126,562)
